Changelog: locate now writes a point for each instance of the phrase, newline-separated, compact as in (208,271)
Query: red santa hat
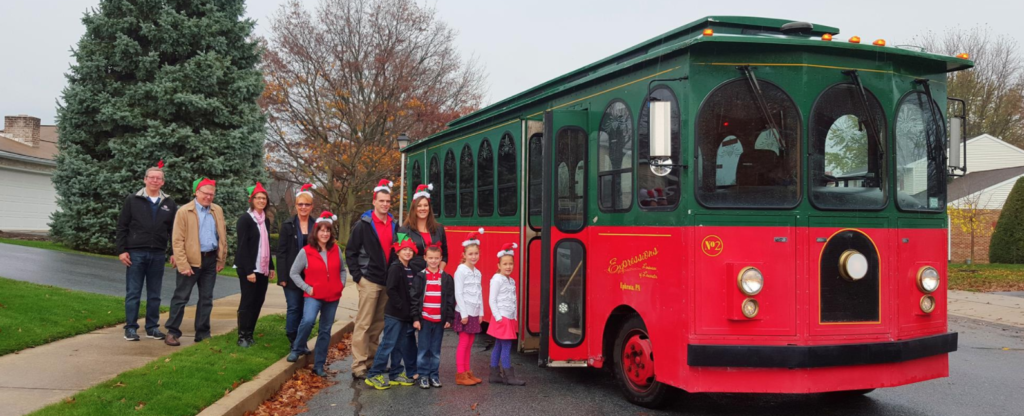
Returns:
(661,194)
(404,242)
(306,189)
(473,237)
(423,191)
(327,216)
(253,190)
(506,250)
(383,185)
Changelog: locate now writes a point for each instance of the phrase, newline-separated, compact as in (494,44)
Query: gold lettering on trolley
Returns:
(635,287)
(632,263)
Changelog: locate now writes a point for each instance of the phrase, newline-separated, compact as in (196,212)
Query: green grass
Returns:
(182,383)
(986,277)
(32,315)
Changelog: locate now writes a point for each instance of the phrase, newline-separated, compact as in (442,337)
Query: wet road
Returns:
(87,273)
(984,379)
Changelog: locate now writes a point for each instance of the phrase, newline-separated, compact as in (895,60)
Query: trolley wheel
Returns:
(634,365)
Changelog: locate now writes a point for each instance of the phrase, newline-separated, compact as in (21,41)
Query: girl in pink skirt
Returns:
(503,326)
(469,307)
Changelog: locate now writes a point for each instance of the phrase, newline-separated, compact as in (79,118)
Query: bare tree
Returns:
(994,88)
(344,80)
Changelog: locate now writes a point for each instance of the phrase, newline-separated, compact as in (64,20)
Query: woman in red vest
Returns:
(319,270)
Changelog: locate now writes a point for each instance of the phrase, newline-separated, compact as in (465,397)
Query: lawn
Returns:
(182,383)
(32,315)
(986,277)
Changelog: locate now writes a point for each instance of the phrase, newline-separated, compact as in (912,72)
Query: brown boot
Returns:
(462,380)
(496,377)
(509,375)
(474,379)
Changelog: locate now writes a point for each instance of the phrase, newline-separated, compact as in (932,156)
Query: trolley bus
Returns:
(739,205)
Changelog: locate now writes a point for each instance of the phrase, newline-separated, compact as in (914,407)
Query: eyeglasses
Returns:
(209,194)
(155,178)
(260,198)
(303,205)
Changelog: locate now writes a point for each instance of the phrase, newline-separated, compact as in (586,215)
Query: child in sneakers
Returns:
(503,327)
(469,307)
(397,318)
(433,308)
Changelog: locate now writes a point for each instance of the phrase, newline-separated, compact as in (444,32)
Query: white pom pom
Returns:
(480,230)
(514,245)
(390,184)
(312,185)
(430,186)
(334,217)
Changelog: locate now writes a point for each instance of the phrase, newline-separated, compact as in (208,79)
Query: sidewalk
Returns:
(37,377)
(999,309)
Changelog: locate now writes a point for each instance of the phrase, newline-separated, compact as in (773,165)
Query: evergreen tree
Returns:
(1007,245)
(157,79)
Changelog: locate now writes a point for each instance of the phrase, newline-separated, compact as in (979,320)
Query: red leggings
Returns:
(463,351)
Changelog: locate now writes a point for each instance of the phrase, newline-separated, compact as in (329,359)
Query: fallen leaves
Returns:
(291,399)
(986,278)
(69,400)
(140,406)
(119,384)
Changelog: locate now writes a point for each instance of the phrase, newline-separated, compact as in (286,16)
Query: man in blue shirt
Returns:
(199,241)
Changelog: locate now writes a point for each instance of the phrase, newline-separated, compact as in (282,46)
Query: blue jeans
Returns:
(409,350)
(323,338)
(147,268)
(429,358)
(392,347)
(295,299)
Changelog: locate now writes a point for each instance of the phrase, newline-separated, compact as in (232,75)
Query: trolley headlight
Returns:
(927,303)
(750,281)
(750,308)
(927,279)
(853,266)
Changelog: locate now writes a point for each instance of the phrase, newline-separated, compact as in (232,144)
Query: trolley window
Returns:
(748,147)
(435,178)
(536,181)
(570,168)
(416,177)
(570,281)
(466,182)
(485,179)
(920,154)
(448,188)
(846,163)
(615,158)
(508,199)
(656,192)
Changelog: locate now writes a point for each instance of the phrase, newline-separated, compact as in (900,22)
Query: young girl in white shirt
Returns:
(469,307)
(503,326)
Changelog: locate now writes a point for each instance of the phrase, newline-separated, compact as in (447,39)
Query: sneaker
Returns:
(434,382)
(320,372)
(130,334)
(155,334)
(378,382)
(293,357)
(402,380)
(424,383)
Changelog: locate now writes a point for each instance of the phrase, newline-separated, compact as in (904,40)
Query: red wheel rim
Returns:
(638,362)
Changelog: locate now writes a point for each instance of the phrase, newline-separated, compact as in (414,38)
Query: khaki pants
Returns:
(368,325)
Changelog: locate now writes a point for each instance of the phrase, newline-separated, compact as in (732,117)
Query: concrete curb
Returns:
(250,395)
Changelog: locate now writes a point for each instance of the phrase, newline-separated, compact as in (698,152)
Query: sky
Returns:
(518,43)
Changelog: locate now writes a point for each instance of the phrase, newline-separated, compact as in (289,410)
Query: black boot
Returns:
(496,377)
(243,339)
(509,376)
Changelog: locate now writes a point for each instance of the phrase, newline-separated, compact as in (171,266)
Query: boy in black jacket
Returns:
(433,309)
(397,318)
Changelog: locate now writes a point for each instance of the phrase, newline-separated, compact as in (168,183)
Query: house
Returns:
(993,167)
(27,153)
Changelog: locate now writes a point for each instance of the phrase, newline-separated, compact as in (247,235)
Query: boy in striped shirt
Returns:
(433,309)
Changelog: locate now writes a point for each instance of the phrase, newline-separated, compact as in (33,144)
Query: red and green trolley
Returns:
(739,205)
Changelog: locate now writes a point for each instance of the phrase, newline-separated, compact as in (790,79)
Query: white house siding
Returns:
(26,200)
(986,152)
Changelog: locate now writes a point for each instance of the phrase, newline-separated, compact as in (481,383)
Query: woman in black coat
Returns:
(292,237)
(423,229)
(254,262)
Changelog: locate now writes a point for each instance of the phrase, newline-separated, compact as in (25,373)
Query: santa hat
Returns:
(423,191)
(253,190)
(201,182)
(383,185)
(661,194)
(160,164)
(473,237)
(306,189)
(326,216)
(404,242)
(506,250)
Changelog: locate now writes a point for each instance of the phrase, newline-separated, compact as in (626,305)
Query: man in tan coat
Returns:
(199,241)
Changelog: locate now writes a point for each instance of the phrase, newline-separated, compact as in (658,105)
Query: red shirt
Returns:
(383,228)
(432,297)
(426,242)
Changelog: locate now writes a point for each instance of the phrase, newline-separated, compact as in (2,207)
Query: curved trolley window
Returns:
(466,182)
(748,155)
(416,178)
(570,168)
(448,188)
(435,178)
(615,158)
(920,154)
(485,179)
(846,161)
(508,199)
(656,192)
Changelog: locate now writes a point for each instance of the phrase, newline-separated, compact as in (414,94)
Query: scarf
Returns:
(263,257)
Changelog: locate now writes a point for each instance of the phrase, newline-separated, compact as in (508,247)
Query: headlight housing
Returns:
(750,308)
(928,279)
(853,265)
(927,303)
(750,281)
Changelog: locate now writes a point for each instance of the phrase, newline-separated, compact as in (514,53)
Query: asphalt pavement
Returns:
(88,273)
(986,375)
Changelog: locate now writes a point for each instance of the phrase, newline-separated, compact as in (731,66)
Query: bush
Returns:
(1007,244)
(274,238)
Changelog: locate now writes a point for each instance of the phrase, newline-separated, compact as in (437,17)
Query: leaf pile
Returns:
(292,398)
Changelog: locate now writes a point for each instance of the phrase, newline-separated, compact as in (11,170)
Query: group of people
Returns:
(399,271)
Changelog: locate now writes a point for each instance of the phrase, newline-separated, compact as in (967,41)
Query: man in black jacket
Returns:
(368,255)
(143,230)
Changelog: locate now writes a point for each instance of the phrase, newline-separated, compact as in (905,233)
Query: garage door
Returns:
(26,200)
